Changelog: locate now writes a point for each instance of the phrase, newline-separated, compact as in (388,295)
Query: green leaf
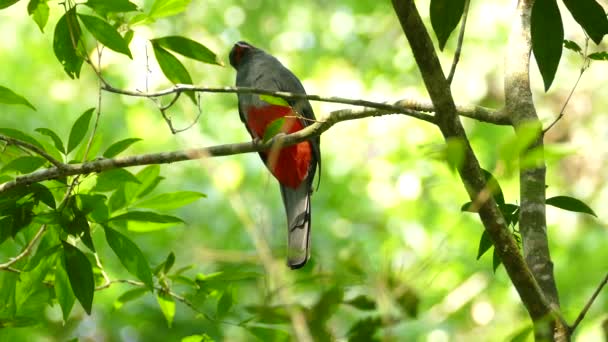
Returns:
(24,164)
(129,296)
(570,204)
(197,338)
(493,185)
(485,243)
(147,216)
(117,200)
(10,97)
(17,218)
(167,306)
(591,16)
(66,40)
(165,8)
(144,227)
(79,129)
(172,68)
(170,201)
(43,252)
(80,273)
(495,260)
(78,226)
(547,38)
(149,178)
(510,212)
(39,10)
(130,256)
(140,19)
(269,333)
(6,223)
(599,56)
(129,36)
(94,206)
(104,7)
(112,179)
(43,194)
(570,45)
(269,314)
(224,304)
(273,100)
(468,206)
(119,146)
(514,149)
(455,152)
(362,302)
(31,294)
(188,48)
(229,275)
(7,3)
(105,34)
(13,133)
(325,307)
(56,139)
(273,129)
(63,291)
(365,329)
(445,15)
(169,263)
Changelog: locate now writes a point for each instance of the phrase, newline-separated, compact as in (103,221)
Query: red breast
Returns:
(290,164)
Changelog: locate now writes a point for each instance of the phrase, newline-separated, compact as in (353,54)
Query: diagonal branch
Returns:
(470,171)
(589,303)
(100,165)
(463,26)
(26,251)
(33,148)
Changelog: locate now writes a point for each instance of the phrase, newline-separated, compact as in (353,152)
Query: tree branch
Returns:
(100,165)
(463,25)
(26,251)
(470,171)
(519,105)
(400,107)
(33,148)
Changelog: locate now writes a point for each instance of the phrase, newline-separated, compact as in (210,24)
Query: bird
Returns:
(293,166)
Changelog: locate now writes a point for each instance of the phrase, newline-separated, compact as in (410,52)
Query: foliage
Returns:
(101,239)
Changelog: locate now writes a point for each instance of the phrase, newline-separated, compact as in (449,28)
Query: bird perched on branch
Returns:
(294,166)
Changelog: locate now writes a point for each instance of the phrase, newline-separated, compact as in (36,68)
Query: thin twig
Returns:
(400,107)
(98,114)
(584,67)
(26,251)
(33,148)
(174,295)
(460,40)
(589,303)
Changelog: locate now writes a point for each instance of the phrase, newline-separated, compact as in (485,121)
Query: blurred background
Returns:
(386,219)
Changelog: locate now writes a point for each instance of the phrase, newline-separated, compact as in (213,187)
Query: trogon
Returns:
(294,166)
